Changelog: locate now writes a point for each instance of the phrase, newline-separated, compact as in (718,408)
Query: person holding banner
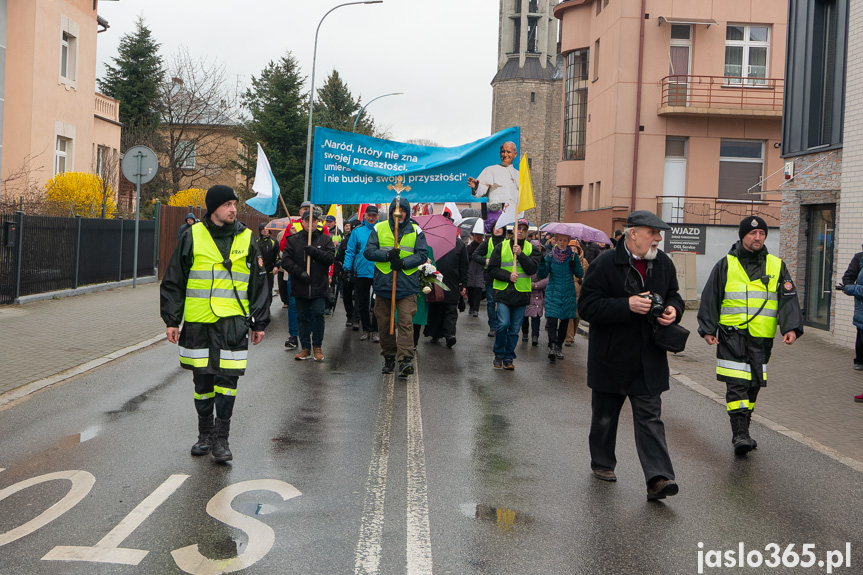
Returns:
(511,264)
(396,282)
(309,287)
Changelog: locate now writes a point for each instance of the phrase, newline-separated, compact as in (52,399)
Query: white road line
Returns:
(419,553)
(367,556)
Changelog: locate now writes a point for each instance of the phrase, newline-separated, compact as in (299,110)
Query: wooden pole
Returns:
(287,213)
(396,212)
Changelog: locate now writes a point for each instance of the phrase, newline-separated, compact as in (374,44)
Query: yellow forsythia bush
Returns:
(79,194)
(190,197)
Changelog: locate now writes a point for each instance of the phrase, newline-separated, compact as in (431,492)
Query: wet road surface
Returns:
(337,469)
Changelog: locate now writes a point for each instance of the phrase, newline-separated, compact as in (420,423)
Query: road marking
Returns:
(367,556)
(107,550)
(419,553)
(261,536)
(82,482)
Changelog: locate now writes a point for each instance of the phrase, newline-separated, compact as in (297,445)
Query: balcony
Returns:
(107,108)
(715,211)
(684,95)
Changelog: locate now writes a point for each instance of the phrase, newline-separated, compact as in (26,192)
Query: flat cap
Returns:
(306,204)
(646,218)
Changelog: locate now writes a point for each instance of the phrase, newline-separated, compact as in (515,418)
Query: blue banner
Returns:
(355,169)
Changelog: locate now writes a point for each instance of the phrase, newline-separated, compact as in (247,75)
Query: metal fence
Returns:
(40,254)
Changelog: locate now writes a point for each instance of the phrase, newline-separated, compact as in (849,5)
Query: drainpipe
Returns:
(638,106)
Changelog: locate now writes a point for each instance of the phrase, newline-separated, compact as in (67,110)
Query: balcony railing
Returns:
(721,96)
(716,211)
(107,108)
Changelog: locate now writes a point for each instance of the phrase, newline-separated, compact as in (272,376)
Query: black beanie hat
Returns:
(750,223)
(218,195)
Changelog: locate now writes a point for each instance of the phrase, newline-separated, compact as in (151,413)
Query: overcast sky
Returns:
(441,53)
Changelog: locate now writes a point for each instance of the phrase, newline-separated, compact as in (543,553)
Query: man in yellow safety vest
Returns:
(216,285)
(748,294)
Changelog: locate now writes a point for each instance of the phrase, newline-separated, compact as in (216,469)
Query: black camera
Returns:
(657,306)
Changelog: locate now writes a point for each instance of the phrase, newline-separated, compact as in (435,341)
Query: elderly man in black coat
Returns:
(622,360)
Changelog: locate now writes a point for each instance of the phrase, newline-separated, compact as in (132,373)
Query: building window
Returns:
(62,155)
(102,166)
(598,7)
(185,154)
(741,166)
(575,105)
(746,54)
(68,53)
(822,87)
(532,26)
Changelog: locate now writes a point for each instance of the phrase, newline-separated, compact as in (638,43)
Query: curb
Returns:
(770,424)
(34,386)
(82,290)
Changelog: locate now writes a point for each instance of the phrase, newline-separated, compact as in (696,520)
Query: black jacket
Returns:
(269,252)
(850,275)
(172,292)
(621,355)
(294,262)
(406,285)
(453,265)
(790,317)
(480,254)
(530,264)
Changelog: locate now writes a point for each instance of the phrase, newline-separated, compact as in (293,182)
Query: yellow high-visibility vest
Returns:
(386,241)
(508,262)
(210,289)
(744,297)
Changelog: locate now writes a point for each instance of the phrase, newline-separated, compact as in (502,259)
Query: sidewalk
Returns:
(811,385)
(43,339)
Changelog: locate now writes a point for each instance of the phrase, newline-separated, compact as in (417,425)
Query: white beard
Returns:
(651,253)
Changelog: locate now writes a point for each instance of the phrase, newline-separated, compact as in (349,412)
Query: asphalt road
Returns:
(337,469)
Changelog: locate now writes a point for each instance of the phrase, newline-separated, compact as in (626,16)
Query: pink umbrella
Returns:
(580,231)
(441,234)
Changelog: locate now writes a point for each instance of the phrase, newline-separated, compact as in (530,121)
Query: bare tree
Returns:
(107,166)
(424,142)
(21,189)
(198,118)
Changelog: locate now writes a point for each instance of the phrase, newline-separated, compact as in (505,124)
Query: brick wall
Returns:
(540,134)
(849,236)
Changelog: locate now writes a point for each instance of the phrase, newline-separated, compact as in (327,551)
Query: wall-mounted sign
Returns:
(686,238)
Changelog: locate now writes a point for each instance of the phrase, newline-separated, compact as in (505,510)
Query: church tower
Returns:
(527,92)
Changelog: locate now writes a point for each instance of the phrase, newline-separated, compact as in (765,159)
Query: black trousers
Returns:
(215,390)
(442,319)
(364,296)
(348,299)
(474,297)
(556,329)
(649,433)
(858,347)
(283,288)
(270,280)
(531,323)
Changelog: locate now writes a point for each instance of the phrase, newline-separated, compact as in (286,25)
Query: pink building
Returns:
(673,106)
(53,120)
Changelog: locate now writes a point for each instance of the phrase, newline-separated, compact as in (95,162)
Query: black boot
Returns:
(558,351)
(551,355)
(221,450)
(406,367)
(748,422)
(740,434)
(389,364)
(205,431)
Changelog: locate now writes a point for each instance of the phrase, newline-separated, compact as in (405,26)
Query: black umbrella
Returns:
(466,225)
(470,213)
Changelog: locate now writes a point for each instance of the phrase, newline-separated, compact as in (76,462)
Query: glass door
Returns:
(819,265)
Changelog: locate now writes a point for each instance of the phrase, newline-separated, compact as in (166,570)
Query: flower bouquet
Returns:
(429,278)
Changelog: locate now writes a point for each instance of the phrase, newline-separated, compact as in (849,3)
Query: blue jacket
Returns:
(561,299)
(857,291)
(354,258)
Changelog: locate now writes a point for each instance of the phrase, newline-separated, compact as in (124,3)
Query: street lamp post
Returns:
(312,92)
(369,102)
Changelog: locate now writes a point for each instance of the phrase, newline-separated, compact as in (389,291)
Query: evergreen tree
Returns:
(278,119)
(134,79)
(336,108)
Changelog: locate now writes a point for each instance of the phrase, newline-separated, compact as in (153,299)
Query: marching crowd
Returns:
(220,281)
